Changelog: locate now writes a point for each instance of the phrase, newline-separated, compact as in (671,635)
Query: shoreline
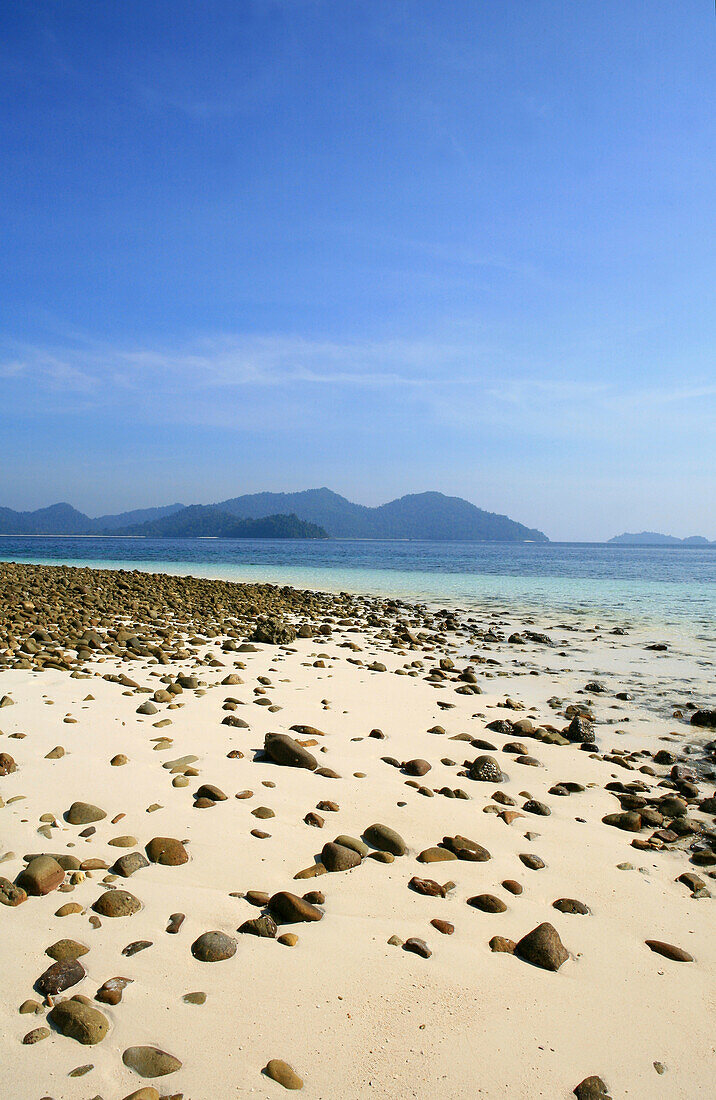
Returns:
(434,683)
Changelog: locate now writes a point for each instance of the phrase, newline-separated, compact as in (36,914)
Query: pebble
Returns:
(110,993)
(213,947)
(264,927)
(543,948)
(84,813)
(117,903)
(287,908)
(337,857)
(135,947)
(166,851)
(570,905)
(669,951)
(592,1088)
(10,894)
(36,1035)
(60,976)
(417,947)
(283,1073)
(78,1021)
(129,864)
(502,944)
(385,839)
(282,749)
(150,1061)
(487,903)
(42,875)
(66,949)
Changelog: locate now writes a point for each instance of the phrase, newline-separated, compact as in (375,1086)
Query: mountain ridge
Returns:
(428,515)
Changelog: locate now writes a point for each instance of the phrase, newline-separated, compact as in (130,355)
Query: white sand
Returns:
(354,1016)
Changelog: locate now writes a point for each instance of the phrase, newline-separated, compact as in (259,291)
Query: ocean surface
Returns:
(671,586)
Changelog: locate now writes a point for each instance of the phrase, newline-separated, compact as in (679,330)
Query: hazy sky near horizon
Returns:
(379,245)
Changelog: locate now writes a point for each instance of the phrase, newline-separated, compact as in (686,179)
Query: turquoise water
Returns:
(669,585)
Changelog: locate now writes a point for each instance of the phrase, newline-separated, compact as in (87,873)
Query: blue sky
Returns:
(378,245)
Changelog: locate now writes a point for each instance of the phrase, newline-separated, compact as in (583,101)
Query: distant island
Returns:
(313,513)
(653,538)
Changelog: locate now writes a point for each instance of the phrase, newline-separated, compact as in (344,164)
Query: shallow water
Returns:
(672,586)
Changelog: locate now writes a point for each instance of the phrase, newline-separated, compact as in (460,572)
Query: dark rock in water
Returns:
(671,806)
(274,632)
(595,687)
(287,908)
(385,839)
(487,903)
(706,718)
(570,905)
(337,857)
(592,1088)
(418,947)
(535,636)
(282,749)
(78,1021)
(542,947)
(579,729)
(150,1061)
(676,954)
(213,947)
(60,976)
(486,770)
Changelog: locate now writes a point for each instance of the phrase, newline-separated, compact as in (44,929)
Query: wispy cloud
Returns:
(230,381)
(239,361)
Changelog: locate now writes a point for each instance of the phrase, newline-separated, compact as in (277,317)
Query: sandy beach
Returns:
(488,753)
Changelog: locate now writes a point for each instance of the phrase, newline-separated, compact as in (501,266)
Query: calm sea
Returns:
(673,586)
